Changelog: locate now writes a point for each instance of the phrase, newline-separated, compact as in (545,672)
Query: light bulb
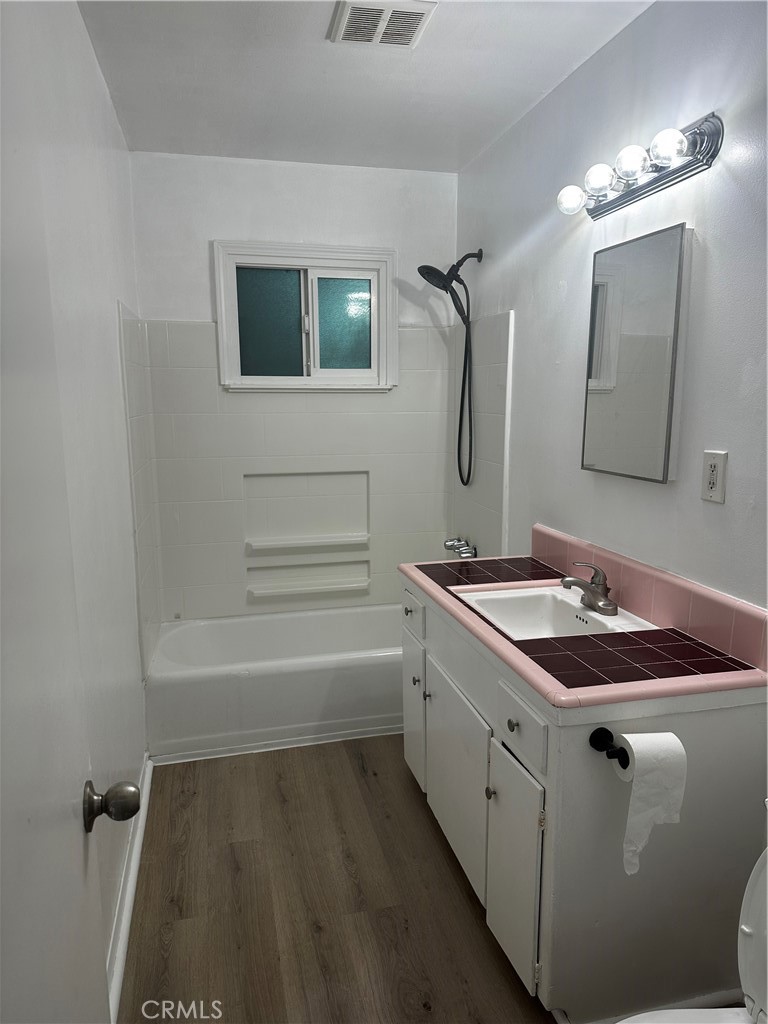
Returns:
(668,146)
(571,199)
(599,179)
(632,162)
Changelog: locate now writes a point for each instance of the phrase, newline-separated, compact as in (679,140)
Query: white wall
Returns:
(77,152)
(209,440)
(183,203)
(672,65)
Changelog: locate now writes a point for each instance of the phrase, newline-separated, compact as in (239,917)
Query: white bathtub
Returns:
(226,685)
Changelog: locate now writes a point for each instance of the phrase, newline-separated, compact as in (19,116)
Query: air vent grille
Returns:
(399,25)
(401,28)
(362,24)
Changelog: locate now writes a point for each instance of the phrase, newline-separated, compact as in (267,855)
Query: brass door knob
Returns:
(120,802)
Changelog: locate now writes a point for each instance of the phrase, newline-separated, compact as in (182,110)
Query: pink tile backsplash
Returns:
(712,616)
(733,626)
(671,603)
(749,639)
(637,589)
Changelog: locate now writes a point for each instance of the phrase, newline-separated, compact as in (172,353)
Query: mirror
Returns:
(634,347)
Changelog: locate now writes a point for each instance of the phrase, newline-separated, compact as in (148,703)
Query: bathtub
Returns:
(219,686)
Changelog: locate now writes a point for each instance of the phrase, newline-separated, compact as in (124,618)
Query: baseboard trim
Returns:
(121,926)
(382,729)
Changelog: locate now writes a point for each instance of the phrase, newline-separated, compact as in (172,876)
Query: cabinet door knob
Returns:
(407,611)
(425,695)
(415,680)
(512,725)
(489,792)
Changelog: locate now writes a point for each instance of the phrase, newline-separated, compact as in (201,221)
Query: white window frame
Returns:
(379,266)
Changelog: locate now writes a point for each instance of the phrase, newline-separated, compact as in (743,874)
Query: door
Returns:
(53,948)
(457,773)
(514,861)
(413,707)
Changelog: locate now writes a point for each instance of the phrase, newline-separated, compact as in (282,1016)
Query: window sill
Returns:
(299,389)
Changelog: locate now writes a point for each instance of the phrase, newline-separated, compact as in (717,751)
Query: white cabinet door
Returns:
(514,861)
(414,747)
(457,773)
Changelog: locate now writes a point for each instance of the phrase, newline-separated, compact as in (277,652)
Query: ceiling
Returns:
(260,79)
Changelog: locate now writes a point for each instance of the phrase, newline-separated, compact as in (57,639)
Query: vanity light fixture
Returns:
(672,156)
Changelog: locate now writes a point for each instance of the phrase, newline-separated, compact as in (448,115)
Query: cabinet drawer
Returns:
(522,729)
(413,614)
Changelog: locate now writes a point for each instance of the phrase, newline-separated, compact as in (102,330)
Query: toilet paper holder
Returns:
(602,739)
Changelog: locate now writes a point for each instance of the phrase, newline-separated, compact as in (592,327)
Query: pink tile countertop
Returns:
(550,688)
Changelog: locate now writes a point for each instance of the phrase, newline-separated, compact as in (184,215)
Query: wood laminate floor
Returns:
(310,884)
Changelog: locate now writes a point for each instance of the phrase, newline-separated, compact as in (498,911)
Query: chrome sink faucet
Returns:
(595,593)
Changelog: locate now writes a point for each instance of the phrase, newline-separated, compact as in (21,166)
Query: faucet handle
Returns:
(454,543)
(599,579)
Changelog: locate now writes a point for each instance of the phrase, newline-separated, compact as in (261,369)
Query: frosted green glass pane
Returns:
(344,307)
(269,315)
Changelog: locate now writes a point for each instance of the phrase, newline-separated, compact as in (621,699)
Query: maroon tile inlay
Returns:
(591,659)
(602,659)
(619,640)
(707,665)
(681,651)
(585,677)
(558,662)
(646,655)
(577,644)
(543,646)
(670,668)
(630,674)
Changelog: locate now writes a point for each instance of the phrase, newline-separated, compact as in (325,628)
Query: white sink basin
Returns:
(535,612)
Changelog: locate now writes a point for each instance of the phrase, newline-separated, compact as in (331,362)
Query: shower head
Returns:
(435,277)
(443,281)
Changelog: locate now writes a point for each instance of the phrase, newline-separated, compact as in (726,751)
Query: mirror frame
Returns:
(675,354)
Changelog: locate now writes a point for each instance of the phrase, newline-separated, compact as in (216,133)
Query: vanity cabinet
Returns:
(457,740)
(536,818)
(414,748)
(516,823)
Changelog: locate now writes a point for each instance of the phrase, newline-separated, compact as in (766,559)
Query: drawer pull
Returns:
(489,793)
(407,611)
(415,680)
(512,725)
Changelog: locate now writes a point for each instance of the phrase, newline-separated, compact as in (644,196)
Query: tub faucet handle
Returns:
(454,543)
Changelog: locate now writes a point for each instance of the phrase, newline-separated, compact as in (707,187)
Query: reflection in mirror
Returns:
(633,349)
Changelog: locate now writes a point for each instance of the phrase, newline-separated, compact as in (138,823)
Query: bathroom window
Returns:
(294,317)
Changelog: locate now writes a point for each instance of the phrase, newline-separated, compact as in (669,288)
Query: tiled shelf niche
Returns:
(307,531)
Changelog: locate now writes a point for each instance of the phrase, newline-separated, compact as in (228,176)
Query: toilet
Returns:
(752,966)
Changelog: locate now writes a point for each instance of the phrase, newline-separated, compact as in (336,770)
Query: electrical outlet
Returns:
(713,477)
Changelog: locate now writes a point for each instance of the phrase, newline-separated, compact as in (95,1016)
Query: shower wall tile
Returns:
(157,339)
(397,445)
(189,479)
(192,344)
(141,451)
(477,511)
(184,389)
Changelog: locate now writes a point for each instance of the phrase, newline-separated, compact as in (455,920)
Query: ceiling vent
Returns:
(400,25)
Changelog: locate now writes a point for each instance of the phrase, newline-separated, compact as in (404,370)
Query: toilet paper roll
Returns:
(657,769)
